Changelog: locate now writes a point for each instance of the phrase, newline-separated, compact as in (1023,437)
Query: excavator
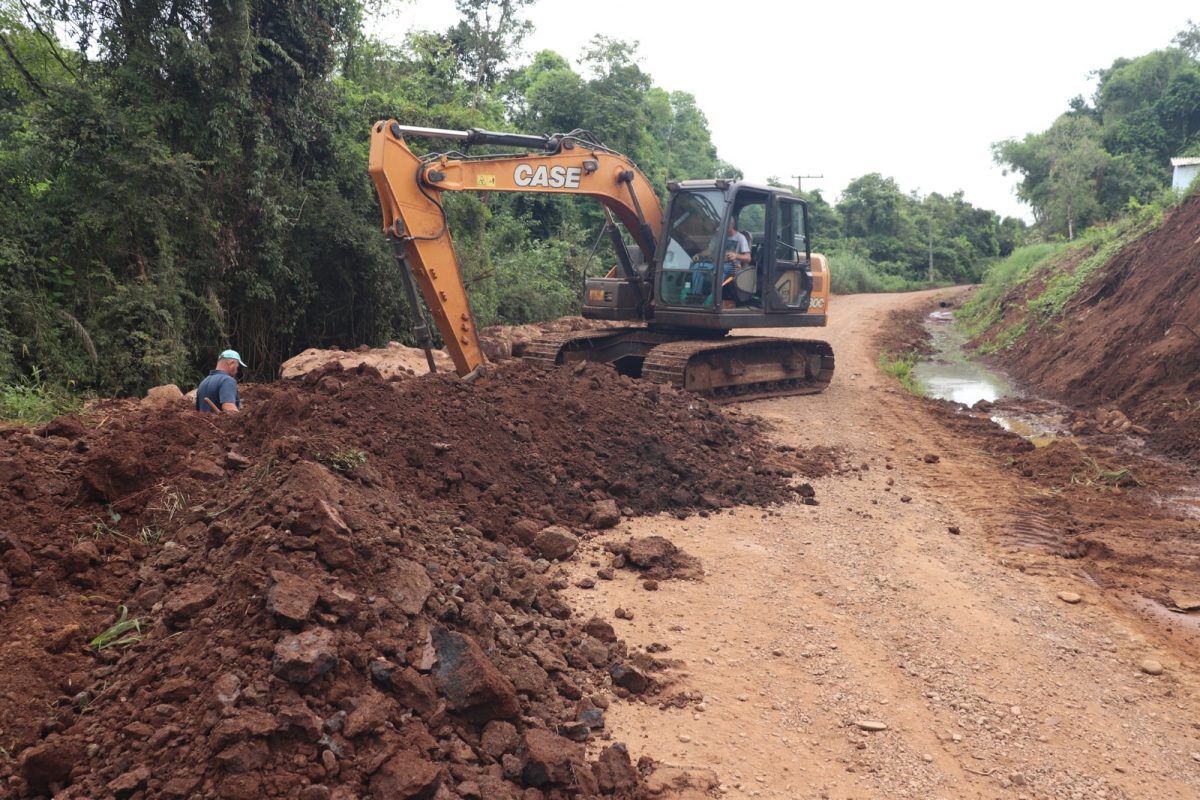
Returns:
(675,282)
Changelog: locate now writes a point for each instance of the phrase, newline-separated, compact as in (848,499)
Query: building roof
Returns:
(1185,162)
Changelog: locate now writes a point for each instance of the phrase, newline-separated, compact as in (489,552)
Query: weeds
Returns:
(901,367)
(1121,477)
(122,633)
(34,402)
(98,527)
(150,535)
(170,502)
(344,461)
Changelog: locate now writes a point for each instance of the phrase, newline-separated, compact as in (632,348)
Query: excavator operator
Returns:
(737,250)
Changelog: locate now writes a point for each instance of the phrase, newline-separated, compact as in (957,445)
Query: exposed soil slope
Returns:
(1130,338)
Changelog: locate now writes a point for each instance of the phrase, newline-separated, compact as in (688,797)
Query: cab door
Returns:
(789,285)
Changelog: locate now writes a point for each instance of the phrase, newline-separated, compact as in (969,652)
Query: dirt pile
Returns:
(342,591)
(499,342)
(1129,340)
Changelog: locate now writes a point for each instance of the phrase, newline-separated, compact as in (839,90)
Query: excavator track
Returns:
(741,368)
(725,370)
(556,348)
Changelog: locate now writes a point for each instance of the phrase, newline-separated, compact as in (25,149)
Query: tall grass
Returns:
(901,367)
(34,402)
(984,310)
(1105,242)
(851,273)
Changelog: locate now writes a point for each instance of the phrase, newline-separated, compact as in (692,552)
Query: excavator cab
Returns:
(698,288)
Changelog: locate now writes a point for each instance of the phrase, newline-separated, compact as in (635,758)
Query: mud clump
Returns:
(655,558)
(336,593)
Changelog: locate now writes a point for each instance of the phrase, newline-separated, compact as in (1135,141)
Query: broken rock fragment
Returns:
(182,607)
(552,759)
(406,776)
(291,598)
(628,677)
(470,682)
(605,514)
(555,543)
(306,656)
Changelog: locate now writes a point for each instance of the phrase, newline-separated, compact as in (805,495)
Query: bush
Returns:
(851,273)
(34,402)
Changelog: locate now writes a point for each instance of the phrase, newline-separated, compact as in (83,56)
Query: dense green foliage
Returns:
(1101,154)
(180,177)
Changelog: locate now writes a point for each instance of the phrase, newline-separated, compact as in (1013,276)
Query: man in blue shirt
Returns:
(219,392)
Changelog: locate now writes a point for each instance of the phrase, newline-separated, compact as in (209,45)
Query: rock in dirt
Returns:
(600,630)
(203,469)
(64,638)
(1069,597)
(160,396)
(628,677)
(406,776)
(410,586)
(81,557)
(304,657)
(1184,601)
(871,725)
(50,764)
(369,716)
(471,683)
(499,737)
(555,543)
(1151,666)
(550,758)
(648,551)
(604,514)
(17,561)
(182,607)
(525,530)
(615,771)
(291,598)
(130,781)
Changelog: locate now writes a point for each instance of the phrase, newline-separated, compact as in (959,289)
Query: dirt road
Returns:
(815,624)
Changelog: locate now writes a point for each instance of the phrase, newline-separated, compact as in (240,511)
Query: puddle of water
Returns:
(950,374)
(1041,431)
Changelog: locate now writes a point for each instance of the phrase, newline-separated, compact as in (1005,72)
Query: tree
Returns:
(1063,169)
(1188,39)
(487,37)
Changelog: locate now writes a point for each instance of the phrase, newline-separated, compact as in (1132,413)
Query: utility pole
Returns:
(800,178)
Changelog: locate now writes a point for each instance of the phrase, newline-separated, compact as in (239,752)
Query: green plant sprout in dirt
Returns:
(122,633)
(33,402)
(1101,477)
(901,367)
(98,527)
(344,461)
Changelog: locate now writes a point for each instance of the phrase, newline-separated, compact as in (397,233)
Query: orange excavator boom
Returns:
(410,188)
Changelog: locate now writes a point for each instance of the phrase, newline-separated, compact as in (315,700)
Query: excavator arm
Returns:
(410,188)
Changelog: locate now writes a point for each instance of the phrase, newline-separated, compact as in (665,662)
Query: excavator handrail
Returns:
(409,188)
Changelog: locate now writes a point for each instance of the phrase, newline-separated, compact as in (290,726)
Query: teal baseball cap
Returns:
(234,355)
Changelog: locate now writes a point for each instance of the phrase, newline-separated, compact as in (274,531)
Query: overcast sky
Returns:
(916,90)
